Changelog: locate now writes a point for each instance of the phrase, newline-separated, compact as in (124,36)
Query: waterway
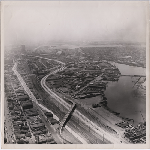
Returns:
(124,97)
(129,70)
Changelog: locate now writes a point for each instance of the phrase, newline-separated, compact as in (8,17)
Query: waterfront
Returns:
(129,70)
(100,92)
(122,97)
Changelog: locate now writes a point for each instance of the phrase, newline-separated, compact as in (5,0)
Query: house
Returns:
(23,97)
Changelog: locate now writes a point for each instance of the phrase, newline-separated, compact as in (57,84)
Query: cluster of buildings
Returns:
(27,126)
(134,134)
(15,95)
(37,126)
(40,66)
(131,55)
(84,79)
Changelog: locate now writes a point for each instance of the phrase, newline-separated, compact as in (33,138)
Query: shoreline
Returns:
(103,118)
(111,111)
(129,64)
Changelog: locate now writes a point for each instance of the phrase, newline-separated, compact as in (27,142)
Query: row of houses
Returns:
(19,121)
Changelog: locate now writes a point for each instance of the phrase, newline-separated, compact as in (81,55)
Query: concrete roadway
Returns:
(77,113)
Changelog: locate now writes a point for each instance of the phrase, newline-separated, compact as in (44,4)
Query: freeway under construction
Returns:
(110,138)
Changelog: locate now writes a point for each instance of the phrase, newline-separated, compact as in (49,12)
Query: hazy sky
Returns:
(41,22)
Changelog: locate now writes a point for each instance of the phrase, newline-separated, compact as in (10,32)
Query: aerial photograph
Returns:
(74,73)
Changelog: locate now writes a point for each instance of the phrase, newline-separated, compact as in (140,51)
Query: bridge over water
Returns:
(135,75)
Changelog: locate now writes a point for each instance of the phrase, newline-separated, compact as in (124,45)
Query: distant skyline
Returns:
(43,22)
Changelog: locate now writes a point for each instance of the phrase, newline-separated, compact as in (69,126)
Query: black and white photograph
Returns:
(75,72)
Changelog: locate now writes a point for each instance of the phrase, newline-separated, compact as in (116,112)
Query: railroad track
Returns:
(84,131)
(76,126)
(96,128)
(77,113)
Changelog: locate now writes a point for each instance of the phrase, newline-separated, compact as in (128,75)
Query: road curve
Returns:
(76,113)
